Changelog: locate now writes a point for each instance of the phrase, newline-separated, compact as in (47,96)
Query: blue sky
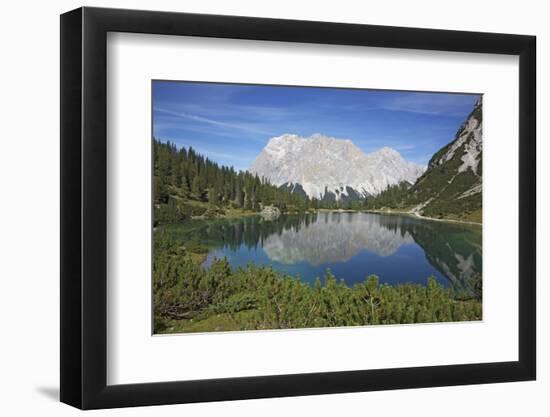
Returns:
(231,123)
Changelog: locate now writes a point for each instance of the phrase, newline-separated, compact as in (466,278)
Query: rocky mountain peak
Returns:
(322,164)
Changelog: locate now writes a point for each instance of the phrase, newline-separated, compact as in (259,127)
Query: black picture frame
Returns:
(84,207)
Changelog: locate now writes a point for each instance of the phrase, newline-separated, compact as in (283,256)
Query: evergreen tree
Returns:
(196,188)
(184,187)
(213,196)
(186,176)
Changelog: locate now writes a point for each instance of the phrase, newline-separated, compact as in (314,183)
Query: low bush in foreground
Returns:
(190,298)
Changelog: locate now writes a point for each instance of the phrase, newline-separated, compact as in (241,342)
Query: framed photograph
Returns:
(256,208)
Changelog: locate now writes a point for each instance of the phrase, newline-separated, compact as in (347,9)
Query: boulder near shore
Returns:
(270,212)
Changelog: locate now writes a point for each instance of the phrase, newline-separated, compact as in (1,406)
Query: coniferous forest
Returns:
(187,184)
(314,207)
(190,297)
(450,188)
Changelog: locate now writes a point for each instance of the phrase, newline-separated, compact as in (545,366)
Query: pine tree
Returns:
(213,196)
(184,187)
(239,195)
(196,188)
(185,174)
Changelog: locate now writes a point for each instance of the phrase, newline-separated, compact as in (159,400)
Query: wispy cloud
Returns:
(231,124)
(223,110)
(428,103)
(238,160)
(166,129)
(224,155)
(237,126)
(433,104)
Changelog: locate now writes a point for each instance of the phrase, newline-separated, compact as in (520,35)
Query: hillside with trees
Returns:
(187,184)
(451,186)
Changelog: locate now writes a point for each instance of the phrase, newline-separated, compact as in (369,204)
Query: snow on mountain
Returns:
(323,165)
(330,238)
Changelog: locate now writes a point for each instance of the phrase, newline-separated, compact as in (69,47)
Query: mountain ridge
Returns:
(324,166)
(451,186)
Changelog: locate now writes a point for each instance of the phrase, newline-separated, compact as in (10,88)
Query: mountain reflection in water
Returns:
(334,237)
(397,248)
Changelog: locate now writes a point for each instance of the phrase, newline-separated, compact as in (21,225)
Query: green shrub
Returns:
(184,290)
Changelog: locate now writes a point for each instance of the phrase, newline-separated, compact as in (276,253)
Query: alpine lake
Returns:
(352,245)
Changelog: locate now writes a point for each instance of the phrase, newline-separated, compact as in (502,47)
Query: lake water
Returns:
(399,249)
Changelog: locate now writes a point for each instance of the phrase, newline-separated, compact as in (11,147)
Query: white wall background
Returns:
(29,220)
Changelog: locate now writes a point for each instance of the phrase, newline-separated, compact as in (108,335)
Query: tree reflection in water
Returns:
(325,238)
